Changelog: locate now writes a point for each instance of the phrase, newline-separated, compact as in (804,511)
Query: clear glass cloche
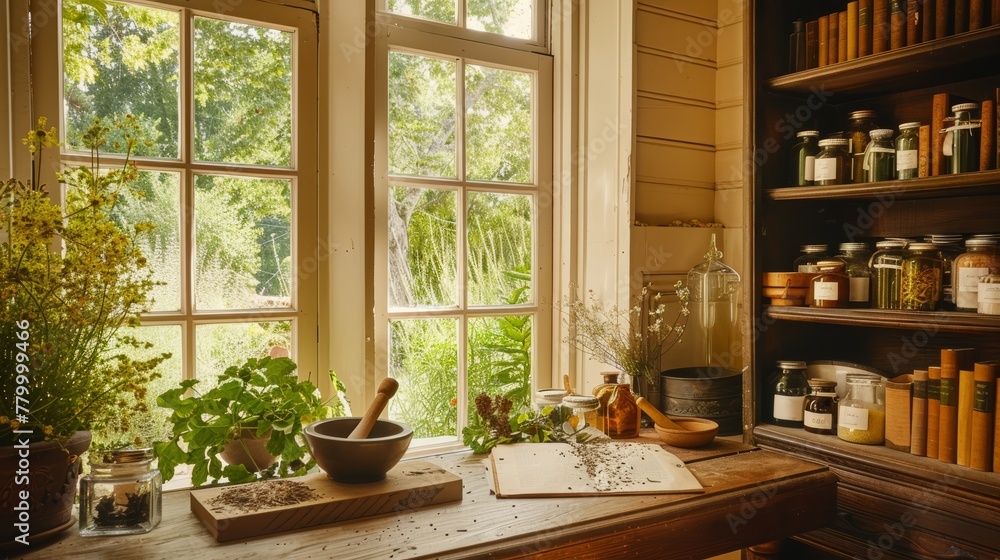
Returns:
(714,324)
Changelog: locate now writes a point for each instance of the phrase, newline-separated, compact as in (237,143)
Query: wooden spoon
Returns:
(566,384)
(658,418)
(385,392)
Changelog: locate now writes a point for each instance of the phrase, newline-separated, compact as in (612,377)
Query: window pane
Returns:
(119,60)
(498,124)
(423,357)
(500,248)
(422,102)
(500,359)
(512,18)
(230,344)
(243,228)
(435,10)
(243,93)
(155,198)
(422,251)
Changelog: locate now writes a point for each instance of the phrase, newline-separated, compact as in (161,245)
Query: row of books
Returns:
(947,411)
(873,26)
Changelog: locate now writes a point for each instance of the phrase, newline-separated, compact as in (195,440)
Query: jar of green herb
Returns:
(920,289)
(908,151)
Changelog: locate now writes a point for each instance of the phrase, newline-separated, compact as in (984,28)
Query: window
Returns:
(463,212)
(229,102)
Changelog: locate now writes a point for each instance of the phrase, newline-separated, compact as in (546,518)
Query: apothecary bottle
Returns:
(584,411)
(833,162)
(949,247)
(603,393)
(859,127)
(908,151)
(879,161)
(803,158)
(920,289)
(790,392)
(855,257)
(989,294)
(861,415)
(979,259)
(831,287)
(961,140)
(819,414)
(623,413)
(121,495)
(811,254)
(887,273)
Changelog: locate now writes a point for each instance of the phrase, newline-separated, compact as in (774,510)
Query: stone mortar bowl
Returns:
(697,432)
(357,461)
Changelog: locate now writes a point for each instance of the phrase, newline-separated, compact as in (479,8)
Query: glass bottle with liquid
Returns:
(623,413)
(603,393)
(803,158)
(856,257)
(789,393)
(830,288)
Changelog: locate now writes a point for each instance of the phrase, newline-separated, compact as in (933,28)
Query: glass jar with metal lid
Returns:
(908,151)
(820,408)
(861,415)
(879,162)
(803,158)
(584,411)
(856,257)
(887,271)
(961,139)
(833,162)
(859,127)
(830,287)
(949,247)
(979,259)
(790,390)
(811,254)
(121,495)
(920,289)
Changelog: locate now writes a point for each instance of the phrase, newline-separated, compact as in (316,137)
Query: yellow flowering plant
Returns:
(72,280)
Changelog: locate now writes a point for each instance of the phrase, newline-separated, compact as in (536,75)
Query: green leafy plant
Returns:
(496,423)
(260,395)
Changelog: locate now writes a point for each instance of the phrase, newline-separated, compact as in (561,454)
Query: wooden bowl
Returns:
(787,279)
(791,292)
(697,432)
(357,460)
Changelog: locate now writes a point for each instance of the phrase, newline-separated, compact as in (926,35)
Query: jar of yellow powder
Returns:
(861,417)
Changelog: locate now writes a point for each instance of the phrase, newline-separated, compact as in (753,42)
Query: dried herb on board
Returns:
(264,494)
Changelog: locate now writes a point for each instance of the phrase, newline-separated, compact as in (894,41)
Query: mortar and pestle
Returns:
(358,450)
(680,431)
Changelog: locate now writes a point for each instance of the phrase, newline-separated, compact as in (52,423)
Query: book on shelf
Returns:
(833,45)
(880,26)
(966,392)
(918,414)
(942,18)
(914,23)
(996,428)
(953,360)
(961,22)
(995,13)
(897,24)
(823,41)
(977,14)
(924,151)
(927,20)
(842,36)
(898,412)
(987,145)
(865,27)
(984,415)
(852,30)
(939,111)
(996,124)
(933,409)
(812,44)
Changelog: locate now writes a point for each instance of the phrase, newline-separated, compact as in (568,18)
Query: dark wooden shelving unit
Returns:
(943,510)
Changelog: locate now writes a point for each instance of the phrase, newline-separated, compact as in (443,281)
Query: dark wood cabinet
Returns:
(891,504)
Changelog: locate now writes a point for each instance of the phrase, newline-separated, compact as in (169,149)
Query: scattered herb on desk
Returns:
(264,494)
(495,424)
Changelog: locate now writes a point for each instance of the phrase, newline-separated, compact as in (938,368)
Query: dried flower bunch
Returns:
(632,340)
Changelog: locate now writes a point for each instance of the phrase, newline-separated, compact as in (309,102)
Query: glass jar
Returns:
(803,158)
(548,397)
(859,126)
(907,151)
(790,392)
(819,414)
(989,294)
(949,247)
(861,415)
(603,393)
(623,413)
(887,270)
(961,139)
(879,161)
(920,289)
(121,495)
(583,409)
(833,162)
(830,287)
(713,326)
(856,257)
(811,254)
(979,259)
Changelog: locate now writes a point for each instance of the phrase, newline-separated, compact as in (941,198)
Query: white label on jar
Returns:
(859,288)
(989,293)
(968,278)
(826,169)
(906,160)
(817,420)
(810,172)
(854,418)
(788,408)
(826,291)
(808,268)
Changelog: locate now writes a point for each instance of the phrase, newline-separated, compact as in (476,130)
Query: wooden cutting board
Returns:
(409,485)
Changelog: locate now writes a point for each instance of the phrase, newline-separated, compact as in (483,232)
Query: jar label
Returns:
(855,418)
(818,420)
(826,291)
(826,169)
(906,160)
(788,408)
(810,170)
(968,278)
(859,288)
(989,293)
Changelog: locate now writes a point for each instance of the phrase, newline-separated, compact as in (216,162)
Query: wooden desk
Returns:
(751,496)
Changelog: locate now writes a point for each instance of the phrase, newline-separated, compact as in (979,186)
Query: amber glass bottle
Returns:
(623,413)
(603,393)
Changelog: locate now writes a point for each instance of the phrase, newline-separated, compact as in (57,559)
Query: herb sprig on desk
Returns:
(495,424)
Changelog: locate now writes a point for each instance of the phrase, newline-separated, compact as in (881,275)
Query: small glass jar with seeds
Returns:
(121,495)
(861,415)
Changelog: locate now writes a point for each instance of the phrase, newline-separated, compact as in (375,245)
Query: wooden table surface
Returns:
(751,496)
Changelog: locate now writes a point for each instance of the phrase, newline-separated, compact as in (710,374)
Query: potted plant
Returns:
(72,280)
(261,398)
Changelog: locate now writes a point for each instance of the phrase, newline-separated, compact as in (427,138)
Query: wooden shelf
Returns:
(971,54)
(947,321)
(965,184)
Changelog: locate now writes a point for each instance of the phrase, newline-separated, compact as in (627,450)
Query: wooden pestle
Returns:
(658,417)
(386,390)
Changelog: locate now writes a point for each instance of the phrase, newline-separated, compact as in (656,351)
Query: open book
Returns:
(600,467)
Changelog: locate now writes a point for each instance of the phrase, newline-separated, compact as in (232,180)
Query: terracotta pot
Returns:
(51,484)
(249,451)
